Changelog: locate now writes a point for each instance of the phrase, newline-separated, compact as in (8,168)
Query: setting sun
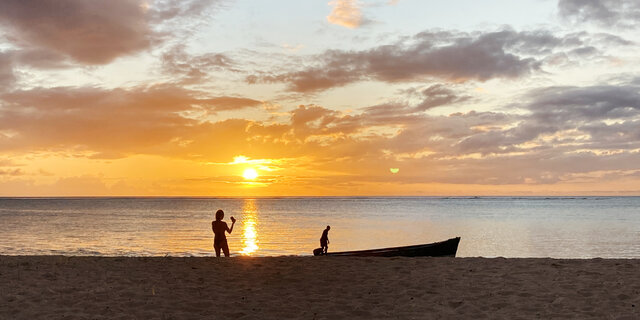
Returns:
(250,174)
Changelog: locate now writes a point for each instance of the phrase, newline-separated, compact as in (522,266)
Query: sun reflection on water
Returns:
(249,224)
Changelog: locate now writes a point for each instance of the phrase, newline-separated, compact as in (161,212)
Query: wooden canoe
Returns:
(445,248)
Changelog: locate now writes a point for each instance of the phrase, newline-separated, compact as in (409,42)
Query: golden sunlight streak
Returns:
(240,159)
(250,174)
(249,223)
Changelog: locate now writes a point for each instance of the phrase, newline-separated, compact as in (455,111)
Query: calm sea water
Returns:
(581,227)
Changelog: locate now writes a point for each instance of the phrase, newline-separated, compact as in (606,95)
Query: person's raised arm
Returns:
(233,222)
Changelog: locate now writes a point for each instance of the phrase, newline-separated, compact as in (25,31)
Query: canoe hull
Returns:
(447,248)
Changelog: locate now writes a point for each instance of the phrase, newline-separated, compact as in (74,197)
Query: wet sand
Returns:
(56,287)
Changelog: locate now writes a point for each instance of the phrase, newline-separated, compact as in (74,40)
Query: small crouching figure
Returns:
(324,240)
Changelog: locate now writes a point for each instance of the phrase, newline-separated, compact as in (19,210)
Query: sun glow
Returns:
(250,223)
(250,174)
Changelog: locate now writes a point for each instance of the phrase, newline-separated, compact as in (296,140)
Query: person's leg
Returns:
(216,246)
(225,248)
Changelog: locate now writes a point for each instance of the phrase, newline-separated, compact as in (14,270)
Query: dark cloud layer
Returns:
(90,32)
(450,56)
(621,13)
(56,34)
(458,59)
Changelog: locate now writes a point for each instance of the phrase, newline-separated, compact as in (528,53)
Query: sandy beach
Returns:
(59,287)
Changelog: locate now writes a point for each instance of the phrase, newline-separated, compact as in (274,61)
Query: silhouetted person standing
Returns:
(219,228)
(324,240)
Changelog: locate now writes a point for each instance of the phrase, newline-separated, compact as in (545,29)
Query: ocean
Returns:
(557,227)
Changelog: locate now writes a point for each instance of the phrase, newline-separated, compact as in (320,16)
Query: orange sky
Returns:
(156,98)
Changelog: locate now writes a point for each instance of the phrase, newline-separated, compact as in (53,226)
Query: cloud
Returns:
(569,131)
(456,57)
(554,134)
(593,117)
(111,122)
(346,13)
(193,68)
(435,96)
(8,167)
(91,32)
(10,60)
(230,103)
(7,77)
(10,172)
(40,59)
(581,103)
(620,13)
(602,119)
(162,10)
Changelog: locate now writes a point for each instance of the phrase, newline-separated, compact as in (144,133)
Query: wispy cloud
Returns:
(189,68)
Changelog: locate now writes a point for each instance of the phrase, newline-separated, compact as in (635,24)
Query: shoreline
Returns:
(39,287)
(301,256)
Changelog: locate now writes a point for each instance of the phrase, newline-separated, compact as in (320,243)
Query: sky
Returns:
(319,98)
